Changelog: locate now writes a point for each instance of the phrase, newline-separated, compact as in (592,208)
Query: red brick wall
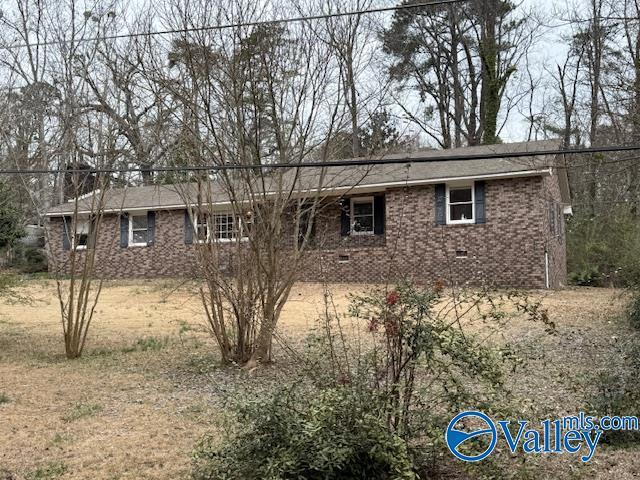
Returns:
(507,251)
(169,256)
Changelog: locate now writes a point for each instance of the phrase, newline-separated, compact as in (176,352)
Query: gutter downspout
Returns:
(546,269)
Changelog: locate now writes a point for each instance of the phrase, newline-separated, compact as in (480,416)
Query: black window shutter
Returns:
(560,221)
(378,214)
(345,217)
(93,231)
(188,228)
(124,230)
(151,228)
(441,204)
(66,233)
(481,215)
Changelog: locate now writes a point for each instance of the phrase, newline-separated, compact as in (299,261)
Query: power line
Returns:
(335,163)
(239,24)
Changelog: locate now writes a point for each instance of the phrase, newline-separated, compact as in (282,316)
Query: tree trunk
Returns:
(490,95)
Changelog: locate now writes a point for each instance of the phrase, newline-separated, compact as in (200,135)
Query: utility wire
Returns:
(335,163)
(238,24)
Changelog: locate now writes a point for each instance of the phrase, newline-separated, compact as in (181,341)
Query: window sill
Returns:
(461,222)
(137,245)
(223,240)
(361,234)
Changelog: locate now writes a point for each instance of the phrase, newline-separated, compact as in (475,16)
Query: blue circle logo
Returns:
(455,437)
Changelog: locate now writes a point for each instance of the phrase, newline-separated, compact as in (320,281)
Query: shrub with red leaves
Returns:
(392,298)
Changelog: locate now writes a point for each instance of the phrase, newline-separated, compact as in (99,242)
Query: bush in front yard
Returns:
(604,251)
(313,435)
(29,259)
(634,311)
(382,381)
(616,391)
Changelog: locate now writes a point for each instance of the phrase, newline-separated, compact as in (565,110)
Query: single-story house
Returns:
(495,221)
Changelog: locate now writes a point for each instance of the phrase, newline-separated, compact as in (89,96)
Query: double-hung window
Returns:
(460,204)
(138,230)
(362,220)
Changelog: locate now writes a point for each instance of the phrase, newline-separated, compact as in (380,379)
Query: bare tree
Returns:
(132,100)
(31,95)
(251,96)
(55,130)
(348,39)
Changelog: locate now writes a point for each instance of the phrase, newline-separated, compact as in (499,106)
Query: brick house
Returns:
(497,222)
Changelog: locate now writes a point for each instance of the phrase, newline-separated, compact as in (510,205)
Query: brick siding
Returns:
(507,251)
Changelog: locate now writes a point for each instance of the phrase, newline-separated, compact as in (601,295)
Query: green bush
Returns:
(333,434)
(589,276)
(616,391)
(617,394)
(29,259)
(604,250)
(634,311)
(376,407)
(10,217)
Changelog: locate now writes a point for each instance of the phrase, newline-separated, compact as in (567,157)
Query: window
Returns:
(202,228)
(81,234)
(362,215)
(225,227)
(138,230)
(460,204)
(219,227)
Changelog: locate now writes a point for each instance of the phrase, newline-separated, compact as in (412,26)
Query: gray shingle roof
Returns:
(340,179)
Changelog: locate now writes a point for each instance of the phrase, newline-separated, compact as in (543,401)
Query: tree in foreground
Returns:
(251,96)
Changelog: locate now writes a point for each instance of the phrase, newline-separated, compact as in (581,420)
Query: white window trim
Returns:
(368,199)
(210,238)
(79,247)
(131,242)
(473,204)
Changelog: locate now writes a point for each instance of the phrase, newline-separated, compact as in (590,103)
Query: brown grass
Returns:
(148,386)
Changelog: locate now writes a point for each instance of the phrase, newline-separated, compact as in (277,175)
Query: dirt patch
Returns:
(148,386)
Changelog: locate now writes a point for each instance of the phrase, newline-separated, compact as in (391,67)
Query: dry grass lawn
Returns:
(148,386)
